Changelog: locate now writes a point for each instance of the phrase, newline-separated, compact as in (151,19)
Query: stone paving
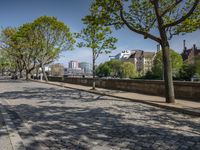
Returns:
(59,118)
(4,137)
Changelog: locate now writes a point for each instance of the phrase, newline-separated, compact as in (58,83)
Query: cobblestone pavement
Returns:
(4,137)
(59,118)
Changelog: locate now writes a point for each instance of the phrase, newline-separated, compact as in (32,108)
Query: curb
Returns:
(181,110)
(14,136)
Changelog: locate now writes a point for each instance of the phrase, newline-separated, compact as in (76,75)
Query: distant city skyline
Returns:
(15,13)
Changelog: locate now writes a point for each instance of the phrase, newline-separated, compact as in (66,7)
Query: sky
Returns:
(14,13)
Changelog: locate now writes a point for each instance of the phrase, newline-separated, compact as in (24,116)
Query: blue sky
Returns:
(16,12)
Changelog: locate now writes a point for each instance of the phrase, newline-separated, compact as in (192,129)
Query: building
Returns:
(142,60)
(73,64)
(86,67)
(189,55)
(73,69)
(123,55)
(73,72)
(57,69)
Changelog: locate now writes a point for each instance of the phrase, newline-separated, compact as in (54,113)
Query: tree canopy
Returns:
(158,20)
(38,43)
(176,60)
(116,68)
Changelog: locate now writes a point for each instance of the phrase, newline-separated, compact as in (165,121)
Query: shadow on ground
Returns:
(52,95)
(85,128)
(121,125)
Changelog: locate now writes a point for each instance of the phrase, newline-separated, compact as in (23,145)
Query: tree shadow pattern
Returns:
(71,119)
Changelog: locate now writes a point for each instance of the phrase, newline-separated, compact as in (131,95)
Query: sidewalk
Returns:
(183,106)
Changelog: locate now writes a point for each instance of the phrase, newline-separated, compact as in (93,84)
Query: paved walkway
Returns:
(184,106)
(49,117)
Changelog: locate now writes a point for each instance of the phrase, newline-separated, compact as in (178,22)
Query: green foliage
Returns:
(140,17)
(54,36)
(103,70)
(37,43)
(186,72)
(176,60)
(96,36)
(10,48)
(116,68)
(158,20)
(128,70)
(4,62)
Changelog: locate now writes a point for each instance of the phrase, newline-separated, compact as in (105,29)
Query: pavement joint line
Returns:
(15,139)
(173,108)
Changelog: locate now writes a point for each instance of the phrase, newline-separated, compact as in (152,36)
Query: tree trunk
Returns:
(20,74)
(2,71)
(27,75)
(44,73)
(93,70)
(169,87)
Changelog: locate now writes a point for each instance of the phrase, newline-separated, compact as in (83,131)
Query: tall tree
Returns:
(54,36)
(168,17)
(96,37)
(26,44)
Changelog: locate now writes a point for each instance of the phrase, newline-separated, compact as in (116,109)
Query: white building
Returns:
(123,55)
(73,64)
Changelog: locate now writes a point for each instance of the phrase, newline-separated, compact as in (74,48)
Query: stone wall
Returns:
(183,89)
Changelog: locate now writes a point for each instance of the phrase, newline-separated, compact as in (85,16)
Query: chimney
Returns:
(194,46)
(184,45)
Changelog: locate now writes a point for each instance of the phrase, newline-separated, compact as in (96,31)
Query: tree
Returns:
(186,72)
(25,42)
(128,70)
(54,37)
(168,17)
(11,50)
(189,70)
(103,70)
(4,63)
(96,37)
(116,68)
(37,44)
(176,60)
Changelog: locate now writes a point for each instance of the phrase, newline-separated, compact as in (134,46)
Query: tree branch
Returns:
(183,18)
(171,7)
(146,35)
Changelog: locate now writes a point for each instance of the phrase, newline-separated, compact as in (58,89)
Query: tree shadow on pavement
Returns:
(61,118)
(53,95)
(93,128)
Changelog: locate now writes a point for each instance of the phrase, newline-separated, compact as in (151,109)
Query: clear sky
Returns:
(16,12)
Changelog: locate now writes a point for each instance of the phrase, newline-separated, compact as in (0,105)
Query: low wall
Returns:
(185,90)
